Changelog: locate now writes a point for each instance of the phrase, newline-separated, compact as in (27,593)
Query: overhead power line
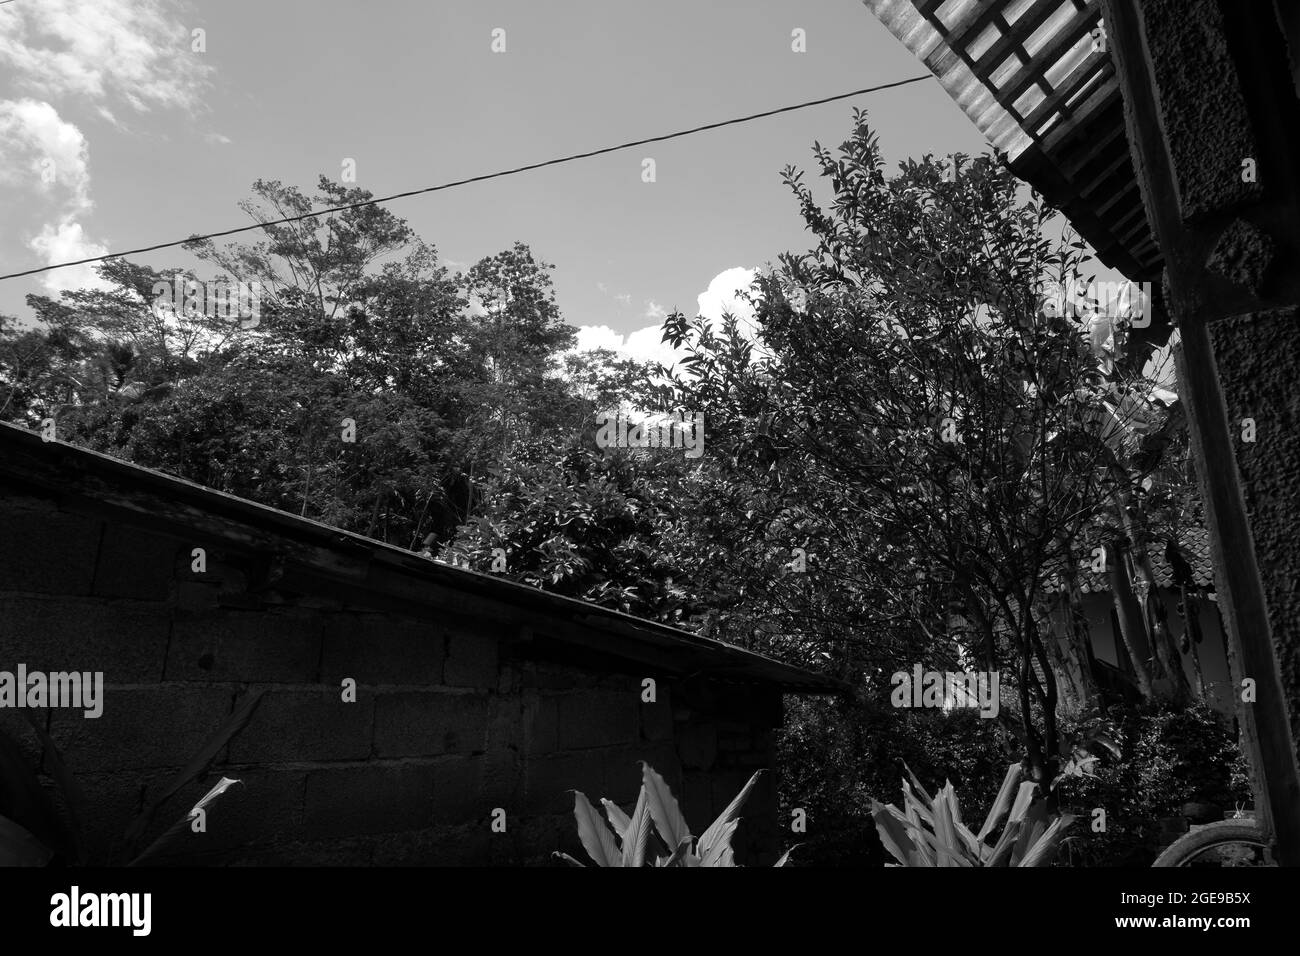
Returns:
(465,182)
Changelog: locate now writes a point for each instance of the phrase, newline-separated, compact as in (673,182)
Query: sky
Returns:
(148,140)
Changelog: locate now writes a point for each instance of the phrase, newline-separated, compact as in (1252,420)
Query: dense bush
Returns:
(1167,759)
(837,755)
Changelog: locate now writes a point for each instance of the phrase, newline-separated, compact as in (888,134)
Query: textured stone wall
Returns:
(445,728)
(1258,357)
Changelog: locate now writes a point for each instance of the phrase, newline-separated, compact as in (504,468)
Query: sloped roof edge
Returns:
(70,472)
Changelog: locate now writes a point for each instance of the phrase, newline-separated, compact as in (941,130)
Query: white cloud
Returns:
(646,345)
(135,51)
(217,138)
(66,242)
(46,156)
(592,337)
(624,298)
(103,54)
(643,345)
(43,152)
(726,294)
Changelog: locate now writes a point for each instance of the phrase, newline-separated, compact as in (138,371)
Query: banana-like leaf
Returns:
(974,848)
(1044,848)
(712,834)
(221,786)
(944,831)
(20,848)
(1002,803)
(617,818)
(931,849)
(197,766)
(911,813)
(1036,820)
(718,853)
(663,808)
(1024,800)
(1001,852)
(560,855)
(679,855)
(1029,838)
(224,784)
(953,805)
(638,833)
(785,857)
(894,834)
(916,783)
(921,804)
(596,837)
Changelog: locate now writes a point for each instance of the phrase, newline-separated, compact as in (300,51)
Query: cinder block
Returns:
(597,719)
(428,723)
(471,660)
(356,851)
(732,740)
(697,746)
(245,646)
(457,792)
(196,597)
(377,649)
(467,845)
(537,838)
(657,718)
(541,719)
(141,727)
(46,550)
(505,722)
(549,781)
(368,798)
(136,564)
(503,778)
(623,774)
(696,801)
(545,676)
(127,643)
(306,725)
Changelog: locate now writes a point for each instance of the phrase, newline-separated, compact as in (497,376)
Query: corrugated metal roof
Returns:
(83,479)
(1036,77)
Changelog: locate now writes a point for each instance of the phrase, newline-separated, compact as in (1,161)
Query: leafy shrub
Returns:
(837,754)
(656,828)
(1166,758)
(930,832)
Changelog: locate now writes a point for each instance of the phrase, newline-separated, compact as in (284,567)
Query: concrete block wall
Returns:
(445,727)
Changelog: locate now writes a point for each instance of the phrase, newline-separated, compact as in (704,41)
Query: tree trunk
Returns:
(1129,612)
(1192,635)
(1076,646)
(1161,640)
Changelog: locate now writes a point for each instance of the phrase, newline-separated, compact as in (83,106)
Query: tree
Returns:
(944,418)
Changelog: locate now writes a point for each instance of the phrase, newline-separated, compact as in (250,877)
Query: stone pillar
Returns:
(1213,123)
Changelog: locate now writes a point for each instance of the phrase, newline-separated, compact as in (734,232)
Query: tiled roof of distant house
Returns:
(1193,543)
